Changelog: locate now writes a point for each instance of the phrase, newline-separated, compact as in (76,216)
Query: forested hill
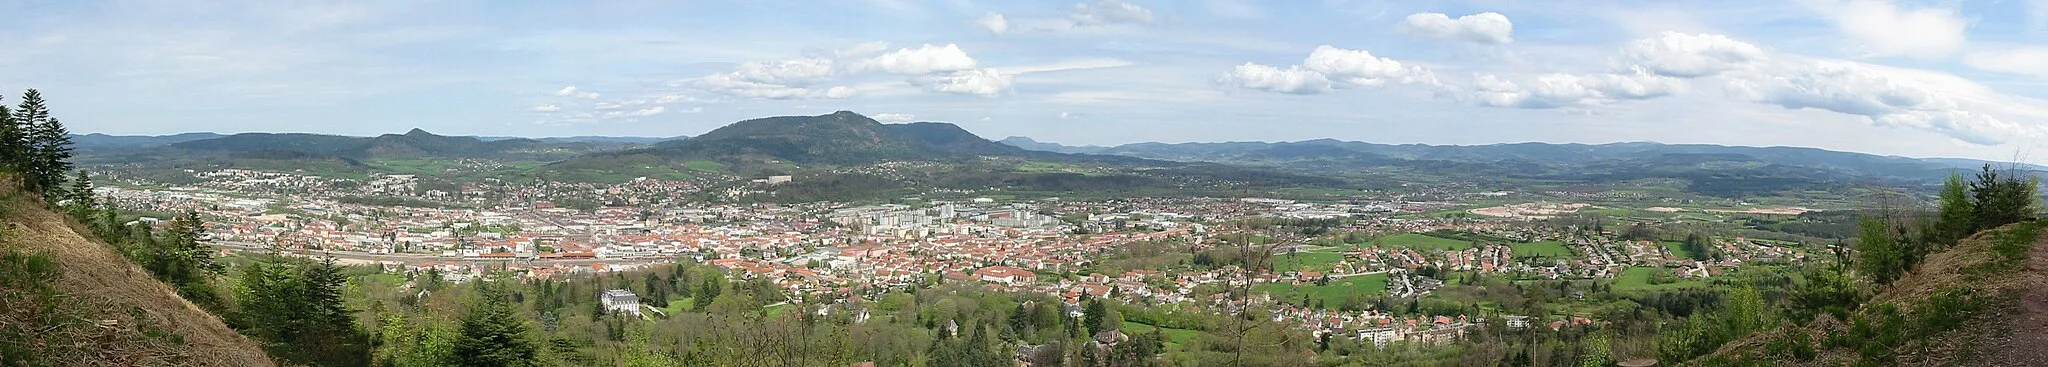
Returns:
(785,144)
(72,300)
(1614,156)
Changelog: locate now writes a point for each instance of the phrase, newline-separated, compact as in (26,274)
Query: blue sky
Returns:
(1940,78)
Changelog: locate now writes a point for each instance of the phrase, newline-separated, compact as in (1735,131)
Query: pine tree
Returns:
(13,140)
(492,334)
(1998,200)
(1956,210)
(80,199)
(20,138)
(49,155)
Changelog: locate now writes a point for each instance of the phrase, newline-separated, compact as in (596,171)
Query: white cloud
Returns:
(608,106)
(923,60)
(571,91)
(985,82)
(861,50)
(894,117)
(841,92)
(1487,28)
(728,85)
(2037,13)
(2019,60)
(650,111)
(1886,96)
(1074,64)
(1327,68)
(1689,55)
(1292,80)
(547,108)
(644,112)
(1361,68)
(1104,12)
(785,71)
(994,22)
(673,98)
(1885,29)
(1567,90)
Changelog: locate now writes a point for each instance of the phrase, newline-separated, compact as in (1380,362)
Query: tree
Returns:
(657,290)
(295,308)
(50,155)
(1092,316)
(1957,211)
(35,143)
(80,201)
(1879,255)
(13,141)
(493,335)
(1998,200)
(706,293)
(1698,246)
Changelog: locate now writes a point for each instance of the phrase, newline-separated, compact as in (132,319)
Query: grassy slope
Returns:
(108,305)
(1977,304)
(1540,248)
(1422,242)
(1331,295)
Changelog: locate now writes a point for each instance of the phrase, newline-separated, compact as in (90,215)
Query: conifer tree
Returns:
(49,155)
(19,138)
(12,138)
(493,335)
(82,203)
(1956,211)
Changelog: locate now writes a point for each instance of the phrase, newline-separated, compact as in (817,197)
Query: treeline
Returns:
(36,145)
(1891,242)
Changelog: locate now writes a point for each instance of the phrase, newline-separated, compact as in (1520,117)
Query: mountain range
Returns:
(847,140)
(1532,157)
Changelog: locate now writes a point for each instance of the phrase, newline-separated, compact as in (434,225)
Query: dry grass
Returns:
(125,317)
(2007,331)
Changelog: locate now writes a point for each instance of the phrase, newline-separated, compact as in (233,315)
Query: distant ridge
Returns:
(839,138)
(1282,153)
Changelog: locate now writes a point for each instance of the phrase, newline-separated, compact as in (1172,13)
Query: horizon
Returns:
(999,140)
(1904,78)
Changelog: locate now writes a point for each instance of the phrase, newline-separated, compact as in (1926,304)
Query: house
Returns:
(620,301)
(1006,275)
(1518,322)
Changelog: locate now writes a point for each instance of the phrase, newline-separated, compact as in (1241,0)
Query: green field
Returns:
(1422,242)
(677,305)
(1541,248)
(1331,295)
(704,165)
(1638,278)
(1676,248)
(1174,337)
(1310,261)
(414,166)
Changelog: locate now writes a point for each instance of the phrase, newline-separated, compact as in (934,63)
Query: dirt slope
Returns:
(2001,276)
(128,313)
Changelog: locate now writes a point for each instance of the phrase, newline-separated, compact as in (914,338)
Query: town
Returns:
(827,253)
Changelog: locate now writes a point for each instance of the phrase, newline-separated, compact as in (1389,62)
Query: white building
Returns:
(620,301)
(1379,336)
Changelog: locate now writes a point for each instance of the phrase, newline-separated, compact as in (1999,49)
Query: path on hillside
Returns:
(2026,343)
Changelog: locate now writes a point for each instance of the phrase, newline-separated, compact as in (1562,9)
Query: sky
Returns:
(1914,78)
